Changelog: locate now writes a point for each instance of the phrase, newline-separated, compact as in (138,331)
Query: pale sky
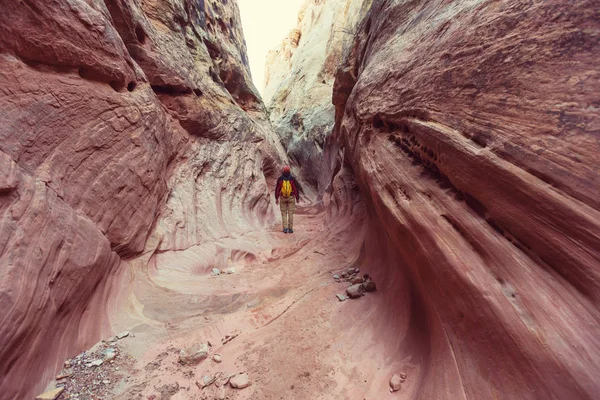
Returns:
(266,23)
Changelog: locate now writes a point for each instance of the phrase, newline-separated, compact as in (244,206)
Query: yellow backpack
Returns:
(286,188)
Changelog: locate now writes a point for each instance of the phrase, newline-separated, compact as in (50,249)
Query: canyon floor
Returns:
(277,318)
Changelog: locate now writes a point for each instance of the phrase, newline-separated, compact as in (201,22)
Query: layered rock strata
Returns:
(472,130)
(125,125)
(299,80)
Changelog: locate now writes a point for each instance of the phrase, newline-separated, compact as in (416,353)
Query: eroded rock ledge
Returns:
(127,127)
(472,130)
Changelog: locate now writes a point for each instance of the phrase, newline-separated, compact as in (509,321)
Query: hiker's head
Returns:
(286,169)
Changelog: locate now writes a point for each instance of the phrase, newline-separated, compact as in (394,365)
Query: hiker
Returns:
(287,188)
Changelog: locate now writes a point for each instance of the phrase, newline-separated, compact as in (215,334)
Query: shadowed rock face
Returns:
(472,130)
(124,125)
(299,80)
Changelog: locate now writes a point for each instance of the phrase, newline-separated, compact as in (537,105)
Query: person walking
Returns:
(287,189)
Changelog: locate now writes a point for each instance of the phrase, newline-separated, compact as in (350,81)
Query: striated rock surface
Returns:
(299,78)
(125,125)
(472,130)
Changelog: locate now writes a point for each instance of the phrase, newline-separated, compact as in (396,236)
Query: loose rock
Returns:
(357,280)
(240,381)
(220,395)
(369,286)
(208,380)
(355,291)
(217,358)
(215,272)
(96,363)
(123,335)
(64,374)
(395,383)
(109,354)
(341,297)
(336,277)
(403,375)
(193,354)
(50,394)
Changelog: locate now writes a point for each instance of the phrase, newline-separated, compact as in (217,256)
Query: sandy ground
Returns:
(295,339)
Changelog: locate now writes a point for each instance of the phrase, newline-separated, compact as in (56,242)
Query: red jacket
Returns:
(292,182)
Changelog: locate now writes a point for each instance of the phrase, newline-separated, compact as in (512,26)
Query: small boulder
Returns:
(217,358)
(341,297)
(395,383)
(194,354)
(230,271)
(403,375)
(355,291)
(369,286)
(215,272)
(336,277)
(240,381)
(50,394)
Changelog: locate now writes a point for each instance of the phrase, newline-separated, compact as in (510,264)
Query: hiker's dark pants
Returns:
(287,207)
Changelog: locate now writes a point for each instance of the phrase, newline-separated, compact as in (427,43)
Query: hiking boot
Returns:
(285,230)
(290,230)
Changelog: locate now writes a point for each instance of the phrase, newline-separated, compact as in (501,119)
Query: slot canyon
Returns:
(448,152)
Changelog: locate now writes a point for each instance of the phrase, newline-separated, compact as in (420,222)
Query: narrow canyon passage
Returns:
(447,148)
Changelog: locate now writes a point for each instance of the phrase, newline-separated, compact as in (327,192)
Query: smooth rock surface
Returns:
(124,126)
(471,128)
